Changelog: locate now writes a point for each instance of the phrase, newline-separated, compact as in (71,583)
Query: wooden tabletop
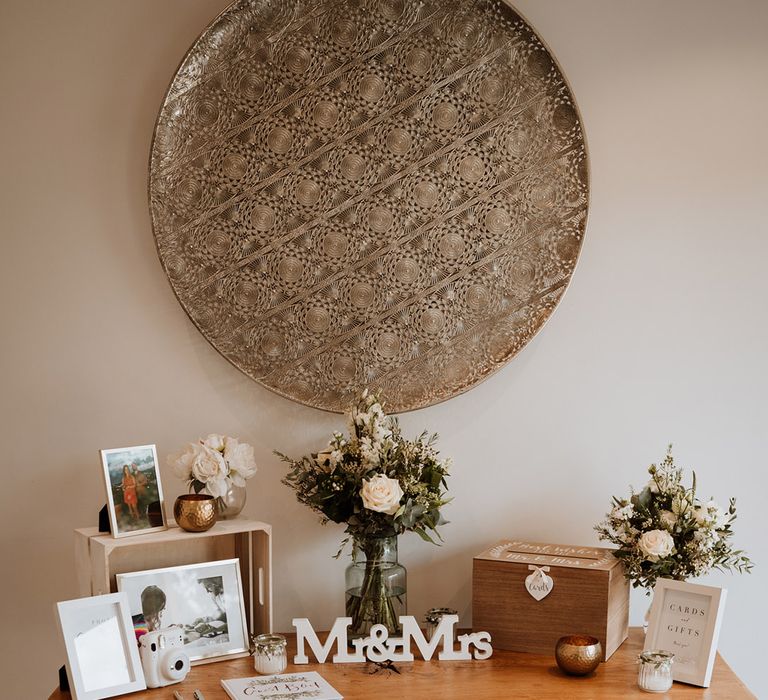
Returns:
(505,675)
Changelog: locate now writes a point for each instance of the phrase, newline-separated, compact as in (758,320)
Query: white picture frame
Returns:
(685,620)
(129,495)
(102,655)
(206,600)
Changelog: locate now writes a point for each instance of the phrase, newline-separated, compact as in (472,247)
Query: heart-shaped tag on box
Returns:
(539,584)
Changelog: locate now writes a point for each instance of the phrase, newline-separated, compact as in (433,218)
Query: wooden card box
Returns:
(589,596)
(100,556)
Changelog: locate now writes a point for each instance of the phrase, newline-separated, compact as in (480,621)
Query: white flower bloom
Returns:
(368,452)
(623,512)
(668,518)
(717,515)
(181,462)
(325,460)
(380,432)
(336,457)
(240,460)
(215,442)
(381,494)
(710,515)
(210,468)
(362,418)
(656,544)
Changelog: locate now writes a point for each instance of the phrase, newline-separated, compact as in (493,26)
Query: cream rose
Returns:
(210,468)
(656,544)
(382,494)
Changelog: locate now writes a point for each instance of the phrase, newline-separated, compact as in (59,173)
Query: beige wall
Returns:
(661,337)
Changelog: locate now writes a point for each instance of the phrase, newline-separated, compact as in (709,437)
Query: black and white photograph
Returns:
(204,600)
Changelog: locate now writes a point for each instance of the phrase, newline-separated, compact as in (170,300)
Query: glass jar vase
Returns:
(655,673)
(231,503)
(375,586)
(270,655)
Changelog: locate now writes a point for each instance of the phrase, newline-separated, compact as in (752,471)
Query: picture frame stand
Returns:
(63,680)
(104,525)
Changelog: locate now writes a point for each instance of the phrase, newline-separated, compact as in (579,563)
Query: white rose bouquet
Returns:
(665,531)
(380,485)
(374,480)
(214,464)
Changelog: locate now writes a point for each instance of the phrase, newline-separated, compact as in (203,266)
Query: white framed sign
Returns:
(685,620)
(102,656)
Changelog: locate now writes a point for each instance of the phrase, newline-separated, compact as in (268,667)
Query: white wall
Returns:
(661,336)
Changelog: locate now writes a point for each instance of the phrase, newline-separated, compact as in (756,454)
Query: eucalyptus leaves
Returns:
(665,531)
(374,480)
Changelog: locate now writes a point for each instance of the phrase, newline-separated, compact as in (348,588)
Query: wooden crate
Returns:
(590,595)
(99,557)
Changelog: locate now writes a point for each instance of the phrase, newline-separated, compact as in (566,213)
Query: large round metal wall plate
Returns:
(369,193)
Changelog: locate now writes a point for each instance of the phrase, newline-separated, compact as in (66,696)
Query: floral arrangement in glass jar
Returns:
(665,531)
(214,465)
(379,485)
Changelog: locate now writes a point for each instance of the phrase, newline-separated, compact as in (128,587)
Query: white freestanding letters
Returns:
(378,646)
(338,634)
(482,643)
(443,633)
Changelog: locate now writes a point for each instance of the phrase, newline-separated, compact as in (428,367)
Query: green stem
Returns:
(372,605)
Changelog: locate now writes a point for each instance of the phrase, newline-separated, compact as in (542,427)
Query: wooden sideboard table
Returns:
(505,675)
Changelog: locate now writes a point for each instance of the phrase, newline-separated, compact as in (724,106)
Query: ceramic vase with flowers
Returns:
(218,465)
(379,485)
(666,531)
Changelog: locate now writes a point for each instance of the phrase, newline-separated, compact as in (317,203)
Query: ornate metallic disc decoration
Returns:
(380,193)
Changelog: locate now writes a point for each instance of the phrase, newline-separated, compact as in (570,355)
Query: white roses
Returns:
(215,462)
(710,515)
(656,544)
(381,494)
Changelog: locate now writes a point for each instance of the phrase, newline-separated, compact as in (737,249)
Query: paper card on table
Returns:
(285,686)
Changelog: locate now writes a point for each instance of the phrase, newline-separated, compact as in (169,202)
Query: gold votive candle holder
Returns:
(578,654)
(195,512)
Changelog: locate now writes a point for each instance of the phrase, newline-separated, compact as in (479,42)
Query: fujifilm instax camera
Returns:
(162,657)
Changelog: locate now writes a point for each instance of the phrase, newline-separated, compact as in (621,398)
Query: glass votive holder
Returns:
(433,618)
(655,673)
(269,654)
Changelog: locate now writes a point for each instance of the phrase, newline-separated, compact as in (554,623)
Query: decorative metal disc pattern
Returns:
(381,193)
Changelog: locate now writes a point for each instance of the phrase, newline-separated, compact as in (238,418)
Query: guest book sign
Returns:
(542,555)
(685,620)
(287,686)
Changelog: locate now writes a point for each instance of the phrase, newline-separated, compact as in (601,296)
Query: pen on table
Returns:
(177,695)
(198,694)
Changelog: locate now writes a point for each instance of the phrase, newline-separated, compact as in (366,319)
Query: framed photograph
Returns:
(133,485)
(685,619)
(205,600)
(102,656)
